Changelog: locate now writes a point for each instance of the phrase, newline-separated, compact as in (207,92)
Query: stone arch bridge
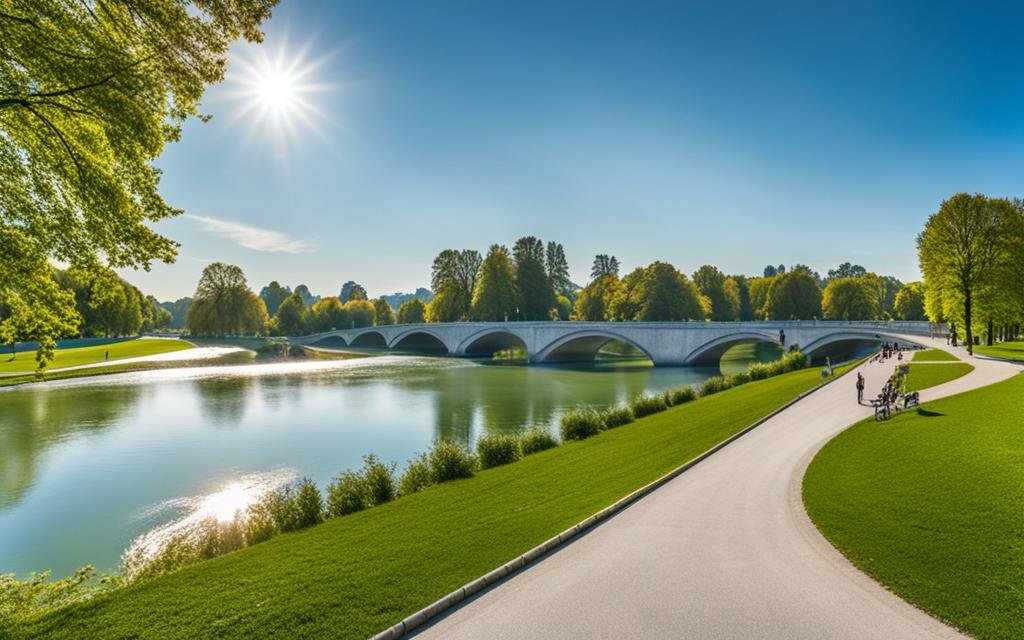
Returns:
(665,343)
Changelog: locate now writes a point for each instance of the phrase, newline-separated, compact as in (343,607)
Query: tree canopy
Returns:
(909,303)
(658,292)
(723,293)
(89,94)
(965,250)
(382,312)
(604,265)
(293,317)
(273,295)
(852,298)
(495,297)
(536,295)
(794,295)
(224,305)
(412,311)
(453,279)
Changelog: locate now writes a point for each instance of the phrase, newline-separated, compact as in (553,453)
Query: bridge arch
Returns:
(582,346)
(420,341)
(489,341)
(370,338)
(847,341)
(329,342)
(710,353)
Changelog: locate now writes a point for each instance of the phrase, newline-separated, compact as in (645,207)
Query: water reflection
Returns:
(30,423)
(86,467)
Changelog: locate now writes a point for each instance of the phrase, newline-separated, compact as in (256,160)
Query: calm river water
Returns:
(88,466)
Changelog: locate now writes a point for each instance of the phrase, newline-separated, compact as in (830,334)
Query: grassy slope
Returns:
(923,376)
(356,575)
(932,505)
(934,355)
(1008,350)
(26,360)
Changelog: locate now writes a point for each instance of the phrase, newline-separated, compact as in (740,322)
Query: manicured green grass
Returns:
(934,355)
(931,504)
(25,361)
(1008,350)
(923,376)
(355,575)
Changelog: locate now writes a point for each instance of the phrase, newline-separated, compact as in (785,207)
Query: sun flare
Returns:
(276,92)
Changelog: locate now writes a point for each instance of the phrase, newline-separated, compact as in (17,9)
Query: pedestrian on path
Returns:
(860,388)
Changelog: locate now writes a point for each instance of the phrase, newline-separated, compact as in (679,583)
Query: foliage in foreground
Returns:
(929,503)
(88,99)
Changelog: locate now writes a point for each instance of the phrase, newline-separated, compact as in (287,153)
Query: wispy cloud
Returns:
(251,237)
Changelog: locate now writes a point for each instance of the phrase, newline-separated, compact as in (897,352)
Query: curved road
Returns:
(723,551)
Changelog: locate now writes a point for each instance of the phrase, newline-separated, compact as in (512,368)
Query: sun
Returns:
(276,91)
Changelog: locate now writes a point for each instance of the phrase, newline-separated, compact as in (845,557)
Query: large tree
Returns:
(536,295)
(224,305)
(961,250)
(558,270)
(329,314)
(293,317)
(604,265)
(851,298)
(89,94)
(412,312)
(743,291)
(595,300)
(453,279)
(724,300)
(658,292)
(794,295)
(910,302)
(273,295)
(382,312)
(495,297)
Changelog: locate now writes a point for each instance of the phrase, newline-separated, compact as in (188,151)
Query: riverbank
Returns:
(24,362)
(356,575)
(929,504)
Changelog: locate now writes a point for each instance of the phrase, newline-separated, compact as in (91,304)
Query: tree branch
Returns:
(57,131)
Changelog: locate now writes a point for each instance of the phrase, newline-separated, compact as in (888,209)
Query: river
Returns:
(87,466)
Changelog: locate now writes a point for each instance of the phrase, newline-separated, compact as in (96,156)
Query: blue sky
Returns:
(701,133)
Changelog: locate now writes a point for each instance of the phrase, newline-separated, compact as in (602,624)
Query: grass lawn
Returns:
(934,355)
(931,504)
(923,376)
(25,362)
(356,575)
(1008,350)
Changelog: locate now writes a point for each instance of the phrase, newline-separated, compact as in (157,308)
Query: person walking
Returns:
(860,388)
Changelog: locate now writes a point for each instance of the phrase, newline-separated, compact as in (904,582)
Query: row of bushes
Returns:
(584,422)
(300,504)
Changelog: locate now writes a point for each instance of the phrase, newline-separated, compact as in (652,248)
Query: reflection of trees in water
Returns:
(509,399)
(223,400)
(32,420)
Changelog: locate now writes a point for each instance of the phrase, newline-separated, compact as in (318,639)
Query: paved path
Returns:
(723,551)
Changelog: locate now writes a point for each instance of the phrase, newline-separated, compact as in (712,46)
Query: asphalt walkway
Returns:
(723,551)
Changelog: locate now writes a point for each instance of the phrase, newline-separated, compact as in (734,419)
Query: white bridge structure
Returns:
(665,343)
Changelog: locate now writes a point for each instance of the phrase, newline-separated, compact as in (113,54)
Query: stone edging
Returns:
(495,576)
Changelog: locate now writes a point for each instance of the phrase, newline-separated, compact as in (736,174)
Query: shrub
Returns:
(378,481)
(645,405)
(759,371)
(24,600)
(536,439)
(346,494)
(616,417)
(681,395)
(259,522)
(738,379)
(449,461)
(714,385)
(284,508)
(794,360)
(498,449)
(309,505)
(416,476)
(581,423)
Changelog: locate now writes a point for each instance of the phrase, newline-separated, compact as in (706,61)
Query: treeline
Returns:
(224,305)
(971,253)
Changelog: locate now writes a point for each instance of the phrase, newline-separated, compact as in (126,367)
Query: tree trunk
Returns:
(989,338)
(967,321)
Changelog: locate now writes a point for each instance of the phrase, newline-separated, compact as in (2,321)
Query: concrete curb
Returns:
(470,589)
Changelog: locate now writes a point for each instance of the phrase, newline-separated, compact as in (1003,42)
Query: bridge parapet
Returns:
(666,343)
